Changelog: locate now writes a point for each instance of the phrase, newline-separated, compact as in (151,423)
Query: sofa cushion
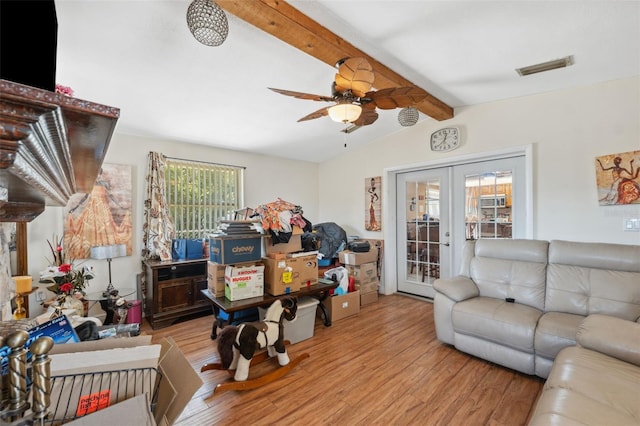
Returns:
(611,336)
(556,331)
(587,387)
(516,270)
(508,324)
(593,278)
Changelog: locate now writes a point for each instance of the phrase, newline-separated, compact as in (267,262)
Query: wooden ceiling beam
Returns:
(288,24)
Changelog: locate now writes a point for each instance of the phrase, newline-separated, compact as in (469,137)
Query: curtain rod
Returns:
(205,162)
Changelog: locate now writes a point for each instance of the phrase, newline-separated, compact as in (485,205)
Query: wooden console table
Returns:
(319,291)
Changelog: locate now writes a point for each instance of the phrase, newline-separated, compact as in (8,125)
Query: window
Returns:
(201,194)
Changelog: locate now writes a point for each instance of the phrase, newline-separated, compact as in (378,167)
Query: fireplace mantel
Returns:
(51,146)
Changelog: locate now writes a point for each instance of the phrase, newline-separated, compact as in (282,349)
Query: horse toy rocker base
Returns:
(237,347)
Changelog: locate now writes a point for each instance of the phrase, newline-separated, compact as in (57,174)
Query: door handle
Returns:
(444,244)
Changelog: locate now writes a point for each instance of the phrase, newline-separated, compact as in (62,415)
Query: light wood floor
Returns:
(383,366)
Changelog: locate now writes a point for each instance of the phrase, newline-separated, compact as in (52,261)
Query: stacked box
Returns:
(294,245)
(215,276)
(284,276)
(348,257)
(279,277)
(363,267)
(229,250)
(243,282)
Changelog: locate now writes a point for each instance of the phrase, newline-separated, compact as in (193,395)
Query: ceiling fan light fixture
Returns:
(207,22)
(408,116)
(345,112)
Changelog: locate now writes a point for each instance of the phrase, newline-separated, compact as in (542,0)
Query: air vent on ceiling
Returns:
(546,66)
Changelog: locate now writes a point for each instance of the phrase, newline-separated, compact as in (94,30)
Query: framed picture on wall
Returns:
(101,217)
(373,211)
(617,178)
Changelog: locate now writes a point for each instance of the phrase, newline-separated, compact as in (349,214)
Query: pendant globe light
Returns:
(207,22)
(408,116)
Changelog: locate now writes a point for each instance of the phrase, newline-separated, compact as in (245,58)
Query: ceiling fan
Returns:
(354,101)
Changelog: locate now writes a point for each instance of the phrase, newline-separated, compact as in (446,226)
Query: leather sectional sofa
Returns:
(552,309)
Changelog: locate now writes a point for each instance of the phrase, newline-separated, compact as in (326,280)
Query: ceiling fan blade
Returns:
(301,95)
(322,112)
(368,116)
(396,97)
(355,74)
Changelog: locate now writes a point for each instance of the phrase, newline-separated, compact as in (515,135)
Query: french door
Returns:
(441,208)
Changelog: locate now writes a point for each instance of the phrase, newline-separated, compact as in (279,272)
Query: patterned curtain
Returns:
(158,228)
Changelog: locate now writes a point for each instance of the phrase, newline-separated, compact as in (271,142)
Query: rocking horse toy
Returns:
(237,347)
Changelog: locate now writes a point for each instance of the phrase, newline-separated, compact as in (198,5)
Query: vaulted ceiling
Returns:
(140,56)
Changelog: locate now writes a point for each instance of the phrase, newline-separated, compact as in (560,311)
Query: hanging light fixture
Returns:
(207,22)
(408,116)
(345,112)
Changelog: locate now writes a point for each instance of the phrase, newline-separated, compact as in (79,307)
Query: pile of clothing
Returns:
(278,218)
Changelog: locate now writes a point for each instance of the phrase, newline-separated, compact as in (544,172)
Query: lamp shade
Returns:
(108,252)
(207,22)
(345,112)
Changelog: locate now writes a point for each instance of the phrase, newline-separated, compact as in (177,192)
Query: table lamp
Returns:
(108,252)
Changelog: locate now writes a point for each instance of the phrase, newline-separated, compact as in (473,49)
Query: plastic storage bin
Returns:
(301,328)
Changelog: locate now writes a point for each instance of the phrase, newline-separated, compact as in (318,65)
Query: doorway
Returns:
(440,207)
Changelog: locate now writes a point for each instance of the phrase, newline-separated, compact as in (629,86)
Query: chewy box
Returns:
(243,282)
(236,249)
(301,328)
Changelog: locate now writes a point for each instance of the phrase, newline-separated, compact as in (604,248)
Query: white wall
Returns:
(266,178)
(567,130)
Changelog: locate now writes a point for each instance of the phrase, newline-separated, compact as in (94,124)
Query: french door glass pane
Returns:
(423,230)
(488,205)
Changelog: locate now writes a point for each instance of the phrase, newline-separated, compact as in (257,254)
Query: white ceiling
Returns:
(140,56)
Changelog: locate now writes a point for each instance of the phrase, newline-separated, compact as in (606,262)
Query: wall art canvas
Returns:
(617,178)
(102,217)
(373,211)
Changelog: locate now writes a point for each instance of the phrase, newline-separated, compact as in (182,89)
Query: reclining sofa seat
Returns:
(585,279)
(517,303)
(496,302)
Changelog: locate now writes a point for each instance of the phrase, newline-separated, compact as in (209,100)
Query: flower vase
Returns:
(71,302)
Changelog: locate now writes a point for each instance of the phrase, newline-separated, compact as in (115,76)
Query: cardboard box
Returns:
(368,298)
(352,258)
(368,287)
(307,269)
(243,282)
(364,273)
(178,383)
(343,306)
(283,276)
(132,411)
(229,250)
(215,276)
(294,245)
(279,276)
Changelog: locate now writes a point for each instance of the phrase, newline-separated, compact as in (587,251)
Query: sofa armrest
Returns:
(611,336)
(457,288)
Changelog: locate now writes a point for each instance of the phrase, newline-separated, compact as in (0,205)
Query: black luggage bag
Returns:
(359,246)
